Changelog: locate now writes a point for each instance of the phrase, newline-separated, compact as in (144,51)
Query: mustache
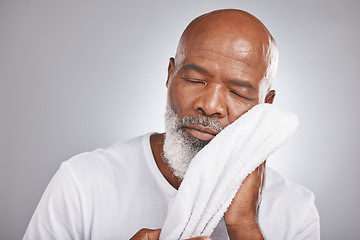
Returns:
(201,120)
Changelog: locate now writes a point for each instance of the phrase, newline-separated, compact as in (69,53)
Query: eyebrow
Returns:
(195,67)
(242,83)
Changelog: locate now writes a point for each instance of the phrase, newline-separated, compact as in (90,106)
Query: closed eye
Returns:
(240,95)
(194,80)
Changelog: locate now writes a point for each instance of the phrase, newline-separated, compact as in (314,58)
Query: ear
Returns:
(171,68)
(270,96)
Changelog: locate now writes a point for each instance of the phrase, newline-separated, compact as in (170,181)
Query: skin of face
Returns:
(221,61)
(221,70)
(224,65)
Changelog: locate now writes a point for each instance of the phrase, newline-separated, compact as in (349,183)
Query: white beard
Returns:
(179,147)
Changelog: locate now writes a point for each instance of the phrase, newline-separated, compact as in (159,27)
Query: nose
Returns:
(211,101)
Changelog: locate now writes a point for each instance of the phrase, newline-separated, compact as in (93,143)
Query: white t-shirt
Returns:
(112,193)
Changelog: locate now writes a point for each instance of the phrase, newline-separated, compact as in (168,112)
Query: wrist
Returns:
(245,231)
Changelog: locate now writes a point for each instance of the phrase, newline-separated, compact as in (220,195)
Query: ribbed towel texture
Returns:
(217,171)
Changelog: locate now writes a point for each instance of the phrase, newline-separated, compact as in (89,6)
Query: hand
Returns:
(150,234)
(241,218)
(147,234)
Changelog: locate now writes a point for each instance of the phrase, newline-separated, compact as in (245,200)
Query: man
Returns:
(224,65)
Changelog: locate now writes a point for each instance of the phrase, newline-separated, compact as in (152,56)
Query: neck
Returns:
(157,144)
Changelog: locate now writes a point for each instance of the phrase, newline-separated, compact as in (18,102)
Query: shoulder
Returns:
(279,188)
(122,155)
(287,209)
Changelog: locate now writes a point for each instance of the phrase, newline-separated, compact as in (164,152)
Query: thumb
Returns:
(154,234)
(147,234)
(200,238)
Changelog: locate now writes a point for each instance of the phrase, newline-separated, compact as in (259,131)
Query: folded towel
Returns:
(215,174)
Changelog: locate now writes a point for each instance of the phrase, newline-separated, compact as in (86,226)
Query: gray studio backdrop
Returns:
(79,75)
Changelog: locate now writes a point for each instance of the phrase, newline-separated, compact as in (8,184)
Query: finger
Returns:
(261,171)
(147,234)
(255,180)
(260,176)
(200,238)
(154,234)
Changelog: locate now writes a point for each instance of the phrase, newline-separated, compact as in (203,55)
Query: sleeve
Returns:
(59,212)
(310,230)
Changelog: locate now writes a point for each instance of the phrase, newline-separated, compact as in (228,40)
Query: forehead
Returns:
(232,57)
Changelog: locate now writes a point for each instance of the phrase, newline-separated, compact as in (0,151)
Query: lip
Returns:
(201,132)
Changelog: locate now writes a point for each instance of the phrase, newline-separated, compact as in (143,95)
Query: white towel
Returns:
(215,174)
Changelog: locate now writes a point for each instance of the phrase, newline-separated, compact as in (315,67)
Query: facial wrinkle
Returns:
(228,57)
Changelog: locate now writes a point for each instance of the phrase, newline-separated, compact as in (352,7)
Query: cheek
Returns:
(180,98)
(237,109)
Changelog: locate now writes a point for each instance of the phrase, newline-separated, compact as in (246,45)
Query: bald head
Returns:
(224,66)
(233,34)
